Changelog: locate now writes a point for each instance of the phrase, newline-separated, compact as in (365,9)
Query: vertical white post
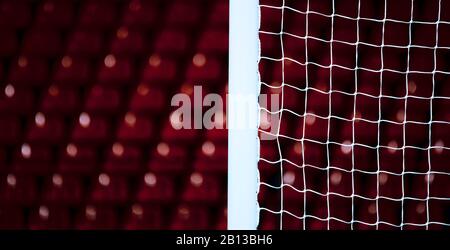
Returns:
(243,211)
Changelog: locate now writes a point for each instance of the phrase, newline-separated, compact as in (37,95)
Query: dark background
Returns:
(85,102)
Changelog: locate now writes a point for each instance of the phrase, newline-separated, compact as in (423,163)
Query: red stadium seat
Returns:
(8,44)
(55,14)
(15,14)
(161,71)
(98,14)
(89,140)
(140,14)
(147,99)
(60,101)
(29,72)
(415,213)
(96,217)
(11,217)
(46,129)
(202,188)
(135,128)
(219,14)
(114,70)
(16,100)
(214,41)
(222,221)
(33,159)
(86,43)
(169,158)
(204,69)
(45,218)
(171,42)
(212,158)
(92,129)
(109,190)
(63,190)
(144,217)
(390,185)
(315,128)
(170,134)
(42,43)
(293,191)
(183,15)
(189,218)
(18,190)
(122,159)
(103,100)
(77,159)
(3,163)
(156,188)
(127,42)
(74,71)
(10,130)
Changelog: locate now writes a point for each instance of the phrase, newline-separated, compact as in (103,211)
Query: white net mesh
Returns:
(361,136)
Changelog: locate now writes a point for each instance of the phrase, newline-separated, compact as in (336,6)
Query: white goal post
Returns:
(243,211)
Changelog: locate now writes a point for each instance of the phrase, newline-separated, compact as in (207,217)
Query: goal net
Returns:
(361,138)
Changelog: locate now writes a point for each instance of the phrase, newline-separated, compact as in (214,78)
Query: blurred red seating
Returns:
(18,190)
(60,101)
(127,42)
(3,163)
(96,217)
(222,221)
(156,188)
(181,135)
(46,129)
(63,190)
(77,159)
(213,41)
(147,99)
(390,185)
(35,159)
(29,72)
(211,158)
(11,217)
(169,158)
(42,43)
(140,217)
(160,71)
(98,14)
(53,217)
(183,15)
(91,129)
(85,43)
(122,159)
(55,14)
(171,42)
(8,43)
(189,218)
(108,189)
(140,14)
(135,128)
(205,69)
(10,130)
(15,14)
(218,16)
(202,188)
(116,71)
(102,100)
(16,100)
(74,71)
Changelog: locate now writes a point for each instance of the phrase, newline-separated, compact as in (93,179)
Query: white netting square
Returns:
(362,130)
